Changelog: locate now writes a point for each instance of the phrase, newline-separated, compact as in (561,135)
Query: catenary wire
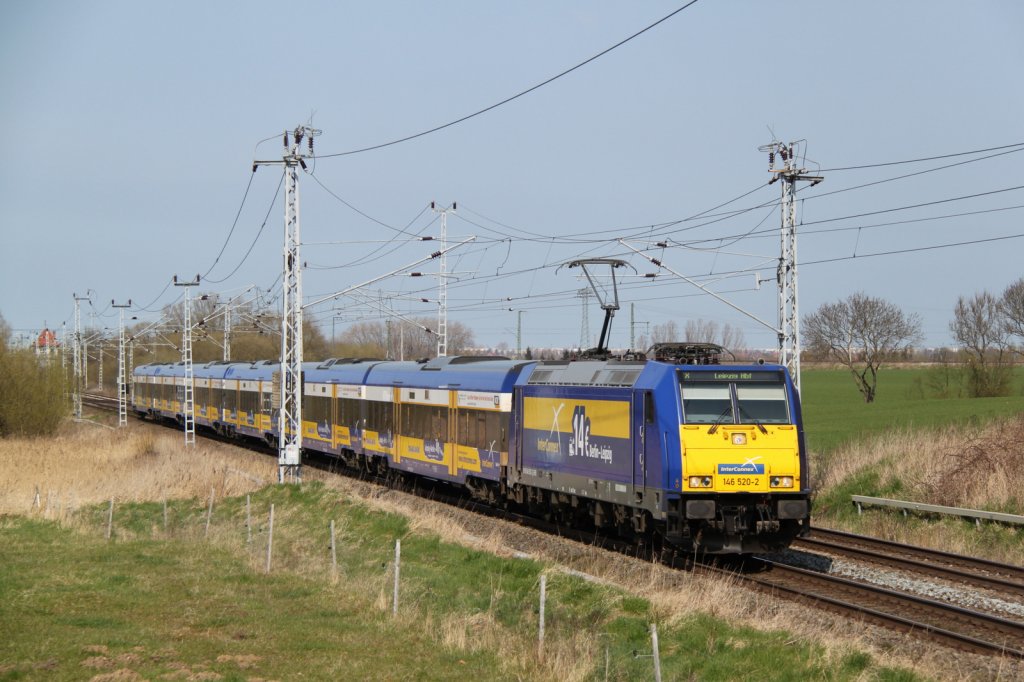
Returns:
(258,235)
(927,158)
(513,97)
(233,224)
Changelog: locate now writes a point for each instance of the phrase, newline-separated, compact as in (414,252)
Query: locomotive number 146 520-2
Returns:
(741,481)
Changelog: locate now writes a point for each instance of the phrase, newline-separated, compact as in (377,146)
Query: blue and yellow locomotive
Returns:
(707,456)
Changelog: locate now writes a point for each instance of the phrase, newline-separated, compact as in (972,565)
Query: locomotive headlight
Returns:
(782,481)
(700,481)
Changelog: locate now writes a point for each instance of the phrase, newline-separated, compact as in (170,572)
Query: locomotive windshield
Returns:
(734,398)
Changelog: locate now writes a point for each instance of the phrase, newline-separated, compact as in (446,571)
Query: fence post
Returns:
(110,518)
(398,568)
(657,656)
(540,630)
(209,515)
(270,537)
(334,553)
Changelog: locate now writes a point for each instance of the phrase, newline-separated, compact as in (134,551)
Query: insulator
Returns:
(771,159)
(286,139)
(662,245)
(455,206)
(431,205)
(426,239)
(656,261)
(302,163)
(310,143)
(435,254)
(298,136)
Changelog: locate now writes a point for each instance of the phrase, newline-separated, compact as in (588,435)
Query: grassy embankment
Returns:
(176,603)
(963,452)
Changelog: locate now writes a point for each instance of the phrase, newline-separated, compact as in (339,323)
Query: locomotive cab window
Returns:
(762,404)
(760,399)
(707,403)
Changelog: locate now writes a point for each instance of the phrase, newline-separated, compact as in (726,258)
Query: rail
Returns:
(977,514)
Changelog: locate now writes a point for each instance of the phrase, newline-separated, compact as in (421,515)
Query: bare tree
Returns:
(861,332)
(708,331)
(410,339)
(1012,307)
(981,329)
(5,333)
(664,332)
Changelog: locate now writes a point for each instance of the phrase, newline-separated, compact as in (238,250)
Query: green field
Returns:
(835,411)
(177,605)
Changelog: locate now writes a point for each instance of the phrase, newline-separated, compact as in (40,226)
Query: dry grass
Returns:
(85,464)
(962,466)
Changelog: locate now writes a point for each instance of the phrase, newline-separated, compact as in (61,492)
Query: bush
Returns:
(33,395)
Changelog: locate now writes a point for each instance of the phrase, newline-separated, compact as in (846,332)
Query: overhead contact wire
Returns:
(516,96)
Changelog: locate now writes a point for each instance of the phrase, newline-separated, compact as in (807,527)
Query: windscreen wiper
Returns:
(759,425)
(718,422)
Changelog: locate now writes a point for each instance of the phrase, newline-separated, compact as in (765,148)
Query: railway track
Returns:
(99,401)
(1002,578)
(953,626)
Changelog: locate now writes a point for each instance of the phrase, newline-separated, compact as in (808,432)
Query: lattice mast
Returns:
(584,294)
(442,284)
(122,374)
(519,334)
(789,309)
(227,333)
(289,421)
(189,406)
(79,379)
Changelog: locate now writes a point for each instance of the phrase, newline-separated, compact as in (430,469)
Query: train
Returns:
(673,445)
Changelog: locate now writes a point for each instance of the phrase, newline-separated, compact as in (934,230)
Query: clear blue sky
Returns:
(130,130)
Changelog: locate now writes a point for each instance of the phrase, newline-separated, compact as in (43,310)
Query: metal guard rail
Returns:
(977,514)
